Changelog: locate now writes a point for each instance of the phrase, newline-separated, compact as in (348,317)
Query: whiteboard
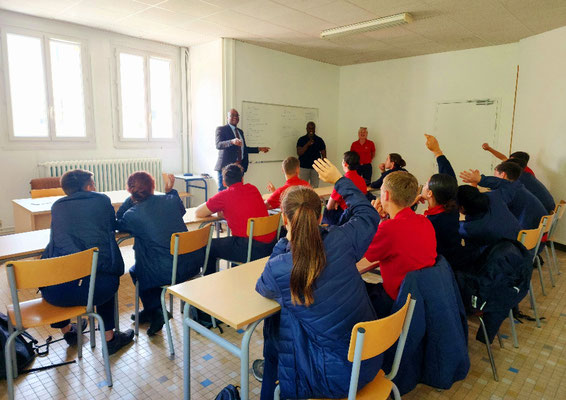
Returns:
(275,126)
(461,127)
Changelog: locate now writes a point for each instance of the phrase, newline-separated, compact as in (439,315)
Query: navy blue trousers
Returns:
(235,248)
(151,298)
(221,186)
(75,293)
(381,301)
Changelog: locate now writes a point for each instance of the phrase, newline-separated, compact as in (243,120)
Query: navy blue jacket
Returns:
(436,350)
(152,222)
(523,204)
(81,221)
(540,191)
(487,229)
(377,184)
(228,152)
(313,341)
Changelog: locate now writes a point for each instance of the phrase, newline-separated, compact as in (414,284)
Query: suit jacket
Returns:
(228,153)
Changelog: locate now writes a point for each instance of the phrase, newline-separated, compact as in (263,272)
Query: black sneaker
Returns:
(156,323)
(145,317)
(257,369)
(71,337)
(119,340)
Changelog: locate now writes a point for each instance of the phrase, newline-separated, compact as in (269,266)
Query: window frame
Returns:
(45,38)
(121,141)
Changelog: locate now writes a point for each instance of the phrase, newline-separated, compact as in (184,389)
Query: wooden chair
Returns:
(181,243)
(370,339)
(38,193)
(45,183)
(37,312)
(258,227)
(558,213)
(545,225)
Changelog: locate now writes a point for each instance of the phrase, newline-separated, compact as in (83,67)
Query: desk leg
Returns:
(186,355)
(245,361)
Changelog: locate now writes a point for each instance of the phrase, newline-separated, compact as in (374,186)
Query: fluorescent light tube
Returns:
(371,25)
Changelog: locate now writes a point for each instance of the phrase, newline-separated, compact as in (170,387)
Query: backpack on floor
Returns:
(24,342)
(203,318)
(230,392)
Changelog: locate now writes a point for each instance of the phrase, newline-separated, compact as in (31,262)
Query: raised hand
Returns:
(169,182)
(326,170)
(432,145)
(271,187)
(379,208)
(485,146)
(472,176)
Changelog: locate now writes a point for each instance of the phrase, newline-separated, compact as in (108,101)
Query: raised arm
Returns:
(444,166)
(497,154)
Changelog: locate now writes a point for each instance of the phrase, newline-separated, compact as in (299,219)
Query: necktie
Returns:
(239,159)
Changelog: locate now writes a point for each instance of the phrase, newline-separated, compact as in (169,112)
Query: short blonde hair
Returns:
(402,187)
(290,165)
(362,128)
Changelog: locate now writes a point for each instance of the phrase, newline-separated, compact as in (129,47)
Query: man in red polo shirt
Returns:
(238,203)
(404,241)
(366,150)
(291,169)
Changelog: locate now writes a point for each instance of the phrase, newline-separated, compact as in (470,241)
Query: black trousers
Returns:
(366,172)
(235,248)
(381,301)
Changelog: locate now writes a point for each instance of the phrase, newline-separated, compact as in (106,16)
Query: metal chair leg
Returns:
(167,326)
(137,310)
(554,257)
(92,332)
(540,275)
(79,337)
(549,261)
(277,393)
(513,330)
(499,340)
(104,348)
(116,314)
(488,347)
(395,391)
(534,304)
(11,373)
(12,329)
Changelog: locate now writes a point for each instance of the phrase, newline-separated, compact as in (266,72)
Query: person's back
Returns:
(533,185)
(291,170)
(312,339)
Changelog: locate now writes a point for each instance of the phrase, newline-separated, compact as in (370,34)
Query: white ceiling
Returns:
(293,26)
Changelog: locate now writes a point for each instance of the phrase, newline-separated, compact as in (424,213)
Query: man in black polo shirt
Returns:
(309,148)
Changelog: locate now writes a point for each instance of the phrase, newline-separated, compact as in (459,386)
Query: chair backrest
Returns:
(264,225)
(558,212)
(546,223)
(37,193)
(45,183)
(32,274)
(192,240)
(379,335)
(530,238)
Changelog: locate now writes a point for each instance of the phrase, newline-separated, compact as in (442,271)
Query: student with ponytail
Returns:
(312,274)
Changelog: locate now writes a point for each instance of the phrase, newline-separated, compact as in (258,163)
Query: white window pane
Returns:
(27,86)
(132,90)
(160,84)
(68,97)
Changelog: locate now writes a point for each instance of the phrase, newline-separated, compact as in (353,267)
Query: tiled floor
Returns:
(536,370)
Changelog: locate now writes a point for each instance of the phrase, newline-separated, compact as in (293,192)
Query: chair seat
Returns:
(38,312)
(379,388)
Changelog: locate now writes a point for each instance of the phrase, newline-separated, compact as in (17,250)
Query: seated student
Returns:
(518,154)
(535,186)
(79,221)
(238,203)
(404,242)
(523,204)
(312,274)
(440,195)
(393,162)
(152,219)
(335,214)
(487,218)
(366,150)
(291,169)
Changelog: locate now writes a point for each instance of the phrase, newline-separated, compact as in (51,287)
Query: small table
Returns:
(189,178)
(229,296)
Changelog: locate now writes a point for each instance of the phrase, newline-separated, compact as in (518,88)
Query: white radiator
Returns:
(108,174)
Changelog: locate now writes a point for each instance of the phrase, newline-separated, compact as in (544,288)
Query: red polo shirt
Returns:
(238,203)
(274,200)
(364,150)
(529,171)
(403,244)
(358,181)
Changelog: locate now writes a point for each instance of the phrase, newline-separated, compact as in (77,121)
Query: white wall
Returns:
(268,76)
(205,110)
(540,122)
(397,99)
(19,166)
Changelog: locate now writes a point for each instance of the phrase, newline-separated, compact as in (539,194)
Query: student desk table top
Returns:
(323,192)
(229,296)
(34,214)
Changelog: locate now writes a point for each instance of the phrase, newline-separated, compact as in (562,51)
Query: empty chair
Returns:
(37,193)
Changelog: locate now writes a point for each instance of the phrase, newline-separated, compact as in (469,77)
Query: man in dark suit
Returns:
(232,146)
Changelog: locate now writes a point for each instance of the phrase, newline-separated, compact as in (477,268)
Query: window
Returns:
(46,87)
(145,97)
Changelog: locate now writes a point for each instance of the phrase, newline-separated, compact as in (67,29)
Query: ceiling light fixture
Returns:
(366,26)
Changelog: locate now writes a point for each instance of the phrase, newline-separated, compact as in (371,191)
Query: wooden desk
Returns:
(34,214)
(364,265)
(323,192)
(230,296)
(23,245)
(190,218)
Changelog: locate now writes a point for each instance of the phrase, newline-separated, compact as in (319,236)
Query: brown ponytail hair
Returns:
(302,207)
